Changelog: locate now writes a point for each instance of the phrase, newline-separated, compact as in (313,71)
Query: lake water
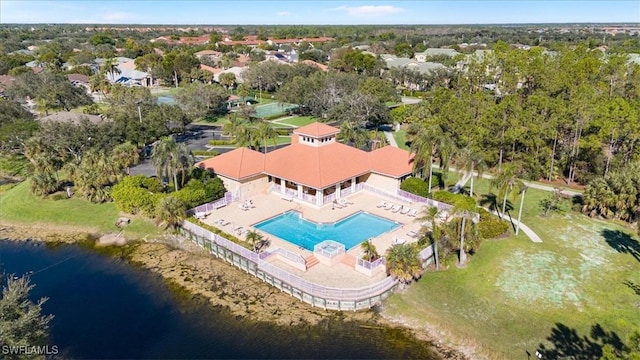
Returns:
(106,308)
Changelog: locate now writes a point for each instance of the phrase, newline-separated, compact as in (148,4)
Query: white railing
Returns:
(426,253)
(329,198)
(370,265)
(321,248)
(309,198)
(306,286)
(296,258)
(405,196)
(210,206)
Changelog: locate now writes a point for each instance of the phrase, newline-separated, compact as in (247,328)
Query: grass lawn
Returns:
(297,121)
(401,138)
(80,109)
(514,293)
(19,205)
(282,140)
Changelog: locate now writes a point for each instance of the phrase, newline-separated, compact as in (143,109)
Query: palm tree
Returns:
(403,263)
(436,233)
(467,161)
(94,175)
(170,212)
(111,68)
(183,161)
(266,132)
(43,183)
(124,155)
(235,126)
(171,158)
(352,133)
(508,182)
(227,80)
(254,238)
(428,142)
(370,251)
(243,91)
(161,156)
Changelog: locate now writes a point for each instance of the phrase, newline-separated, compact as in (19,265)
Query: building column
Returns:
(319,197)
(353,185)
(300,192)
(338,188)
(282,186)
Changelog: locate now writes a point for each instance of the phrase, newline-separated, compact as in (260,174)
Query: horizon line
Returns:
(443,24)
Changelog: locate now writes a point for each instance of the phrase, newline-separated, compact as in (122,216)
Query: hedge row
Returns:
(459,201)
(221,142)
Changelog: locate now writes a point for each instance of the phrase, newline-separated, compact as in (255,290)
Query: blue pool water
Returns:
(349,231)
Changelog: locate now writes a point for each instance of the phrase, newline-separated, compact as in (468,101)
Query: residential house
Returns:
(322,67)
(6,82)
(72,117)
(430,52)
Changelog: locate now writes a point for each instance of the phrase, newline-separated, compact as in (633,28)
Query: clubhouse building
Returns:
(315,168)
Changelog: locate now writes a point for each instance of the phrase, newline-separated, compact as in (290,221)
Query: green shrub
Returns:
(58,196)
(415,186)
(490,226)
(221,142)
(459,201)
(215,230)
(210,153)
(137,194)
(202,188)
(282,132)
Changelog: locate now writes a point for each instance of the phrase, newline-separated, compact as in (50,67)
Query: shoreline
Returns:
(190,272)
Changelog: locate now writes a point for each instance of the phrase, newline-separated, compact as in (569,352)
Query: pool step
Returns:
(349,259)
(311,261)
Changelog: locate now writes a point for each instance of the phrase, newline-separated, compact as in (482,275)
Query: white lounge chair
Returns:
(338,205)
(396,208)
(398,241)
(389,206)
(243,207)
(412,233)
(412,212)
(201,215)
(223,222)
(342,202)
(381,204)
(405,210)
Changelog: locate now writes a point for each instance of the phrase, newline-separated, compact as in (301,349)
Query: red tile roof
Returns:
(317,166)
(392,161)
(210,69)
(316,64)
(317,129)
(236,164)
(313,166)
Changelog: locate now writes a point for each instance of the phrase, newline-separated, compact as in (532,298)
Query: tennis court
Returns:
(268,110)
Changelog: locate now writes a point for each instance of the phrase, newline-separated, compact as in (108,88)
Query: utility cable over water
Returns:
(31,272)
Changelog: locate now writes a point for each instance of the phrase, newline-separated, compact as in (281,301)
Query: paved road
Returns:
(527,183)
(390,138)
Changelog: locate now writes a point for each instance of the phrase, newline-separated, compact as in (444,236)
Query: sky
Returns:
(328,12)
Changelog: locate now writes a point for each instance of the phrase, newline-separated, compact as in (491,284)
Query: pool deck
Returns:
(340,275)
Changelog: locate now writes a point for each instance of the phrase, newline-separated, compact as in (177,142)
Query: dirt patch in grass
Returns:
(542,278)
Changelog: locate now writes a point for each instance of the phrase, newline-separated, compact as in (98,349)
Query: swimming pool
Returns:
(349,231)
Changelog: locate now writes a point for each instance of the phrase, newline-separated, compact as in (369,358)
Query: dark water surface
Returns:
(106,308)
